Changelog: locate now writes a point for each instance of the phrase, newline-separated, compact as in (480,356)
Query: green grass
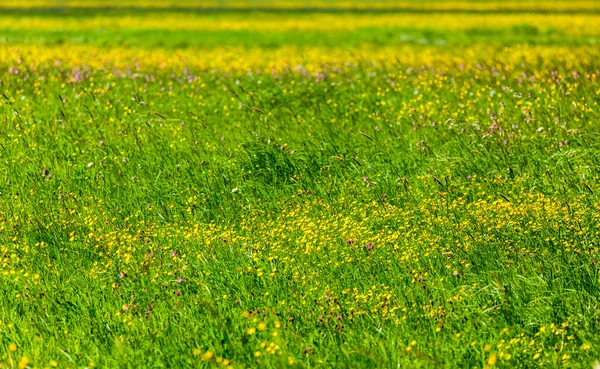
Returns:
(440,229)
(118,31)
(253,39)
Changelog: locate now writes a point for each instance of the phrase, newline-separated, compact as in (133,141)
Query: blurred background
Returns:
(343,24)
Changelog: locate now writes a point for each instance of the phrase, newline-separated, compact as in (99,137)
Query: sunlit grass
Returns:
(289,204)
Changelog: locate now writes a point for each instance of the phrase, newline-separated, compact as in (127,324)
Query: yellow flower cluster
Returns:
(493,5)
(293,59)
(583,24)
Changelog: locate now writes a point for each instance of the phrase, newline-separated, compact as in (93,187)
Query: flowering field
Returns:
(314,188)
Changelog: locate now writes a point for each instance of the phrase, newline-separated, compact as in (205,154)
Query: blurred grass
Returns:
(264,30)
(291,5)
(257,39)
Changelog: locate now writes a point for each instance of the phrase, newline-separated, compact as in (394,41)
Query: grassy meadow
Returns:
(302,185)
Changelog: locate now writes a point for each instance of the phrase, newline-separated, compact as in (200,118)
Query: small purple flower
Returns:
(179,280)
(77,77)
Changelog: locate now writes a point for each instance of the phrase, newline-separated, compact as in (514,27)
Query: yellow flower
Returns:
(262,326)
(257,353)
(291,360)
(492,360)
(12,347)
(196,352)
(208,355)
(585,346)
(251,330)
(23,363)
